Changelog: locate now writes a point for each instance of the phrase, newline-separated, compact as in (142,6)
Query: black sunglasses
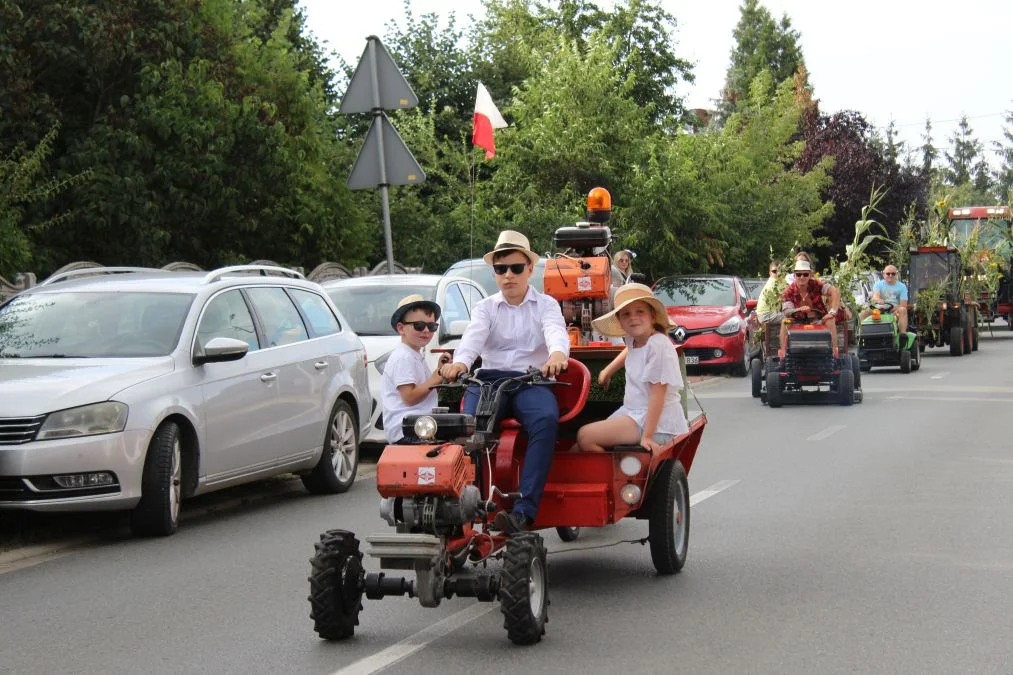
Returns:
(801,274)
(890,274)
(516,268)
(422,325)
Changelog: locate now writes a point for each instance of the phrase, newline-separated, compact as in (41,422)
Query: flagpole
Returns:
(472,178)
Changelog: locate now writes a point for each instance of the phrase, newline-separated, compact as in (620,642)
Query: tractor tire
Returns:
(774,393)
(339,460)
(856,368)
(157,513)
(846,388)
(756,373)
(336,585)
(916,358)
(956,341)
(524,588)
(905,361)
(568,534)
(668,526)
(974,340)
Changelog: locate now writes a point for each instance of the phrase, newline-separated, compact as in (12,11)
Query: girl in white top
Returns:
(407,380)
(651,414)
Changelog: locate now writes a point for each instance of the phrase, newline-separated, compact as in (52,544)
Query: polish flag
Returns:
(487,118)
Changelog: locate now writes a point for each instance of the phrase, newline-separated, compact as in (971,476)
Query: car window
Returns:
(454,308)
(368,308)
(319,316)
(92,324)
(472,296)
(228,316)
(279,318)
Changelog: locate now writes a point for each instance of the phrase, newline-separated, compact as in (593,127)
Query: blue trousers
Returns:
(535,407)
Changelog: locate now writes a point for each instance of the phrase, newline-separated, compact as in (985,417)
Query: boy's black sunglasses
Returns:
(516,268)
(422,325)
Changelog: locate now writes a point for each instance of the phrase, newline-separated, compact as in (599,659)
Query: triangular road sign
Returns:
(398,161)
(392,91)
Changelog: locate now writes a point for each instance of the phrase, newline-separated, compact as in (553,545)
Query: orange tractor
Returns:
(441,487)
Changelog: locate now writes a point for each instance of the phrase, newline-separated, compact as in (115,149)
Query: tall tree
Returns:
(929,151)
(761,43)
(1004,172)
(963,154)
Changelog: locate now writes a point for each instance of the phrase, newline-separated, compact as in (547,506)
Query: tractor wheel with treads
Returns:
(524,588)
(336,585)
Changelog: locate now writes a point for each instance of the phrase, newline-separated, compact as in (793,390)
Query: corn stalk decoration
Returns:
(847,275)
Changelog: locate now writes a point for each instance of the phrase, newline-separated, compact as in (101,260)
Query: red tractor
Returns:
(442,486)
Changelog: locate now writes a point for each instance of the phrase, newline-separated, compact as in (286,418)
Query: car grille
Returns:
(17,430)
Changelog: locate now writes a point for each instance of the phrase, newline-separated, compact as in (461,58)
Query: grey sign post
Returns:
(384,159)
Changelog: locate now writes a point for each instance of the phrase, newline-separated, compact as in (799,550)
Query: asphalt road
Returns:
(874,539)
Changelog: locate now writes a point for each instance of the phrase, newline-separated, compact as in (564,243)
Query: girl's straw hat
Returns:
(608,324)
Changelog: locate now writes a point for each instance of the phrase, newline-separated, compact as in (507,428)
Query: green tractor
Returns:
(942,314)
(880,343)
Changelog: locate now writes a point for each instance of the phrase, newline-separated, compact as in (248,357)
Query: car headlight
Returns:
(425,427)
(730,327)
(87,420)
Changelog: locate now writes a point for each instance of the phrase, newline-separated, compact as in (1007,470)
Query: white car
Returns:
(128,389)
(369,302)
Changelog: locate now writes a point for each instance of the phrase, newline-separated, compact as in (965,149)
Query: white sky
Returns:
(899,59)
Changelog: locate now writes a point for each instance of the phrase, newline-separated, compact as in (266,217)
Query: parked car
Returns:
(136,390)
(369,302)
(710,311)
(753,286)
(478,271)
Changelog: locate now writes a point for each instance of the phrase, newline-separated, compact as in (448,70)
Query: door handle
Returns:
(269,377)
(320,365)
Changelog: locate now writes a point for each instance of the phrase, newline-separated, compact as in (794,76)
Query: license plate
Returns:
(692,360)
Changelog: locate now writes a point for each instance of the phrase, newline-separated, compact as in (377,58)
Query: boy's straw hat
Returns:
(511,241)
(608,324)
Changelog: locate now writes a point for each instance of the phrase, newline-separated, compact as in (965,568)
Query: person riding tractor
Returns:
(892,291)
(804,300)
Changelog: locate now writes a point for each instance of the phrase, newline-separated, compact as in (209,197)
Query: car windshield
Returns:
(481,274)
(368,308)
(92,325)
(682,292)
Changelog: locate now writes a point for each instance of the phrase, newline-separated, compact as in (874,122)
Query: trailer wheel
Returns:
(336,585)
(956,341)
(524,589)
(568,534)
(846,387)
(668,526)
(756,372)
(905,361)
(774,393)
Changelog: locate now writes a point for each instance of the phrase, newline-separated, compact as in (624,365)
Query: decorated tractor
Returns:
(941,314)
(816,367)
(441,487)
(880,342)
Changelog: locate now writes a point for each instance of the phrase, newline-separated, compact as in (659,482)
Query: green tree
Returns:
(761,43)
(1004,173)
(928,151)
(963,154)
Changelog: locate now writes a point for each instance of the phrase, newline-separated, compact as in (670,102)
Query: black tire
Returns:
(846,387)
(568,534)
(774,393)
(741,369)
(856,368)
(336,585)
(974,340)
(956,341)
(916,357)
(905,361)
(524,588)
(157,513)
(668,527)
(339,459)
(756,374)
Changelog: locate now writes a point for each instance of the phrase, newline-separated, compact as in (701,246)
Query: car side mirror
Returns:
(456,329)
(751,304)
(221,349)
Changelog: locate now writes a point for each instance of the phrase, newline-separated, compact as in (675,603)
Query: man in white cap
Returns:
(804,298)
(513,330)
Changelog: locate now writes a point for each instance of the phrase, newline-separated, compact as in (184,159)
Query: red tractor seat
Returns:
(571,399)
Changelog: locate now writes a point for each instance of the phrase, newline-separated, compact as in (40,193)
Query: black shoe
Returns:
(509,523)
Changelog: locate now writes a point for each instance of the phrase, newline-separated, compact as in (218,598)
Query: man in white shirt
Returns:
(514,330)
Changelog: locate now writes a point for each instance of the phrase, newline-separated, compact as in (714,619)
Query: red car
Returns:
(710,310)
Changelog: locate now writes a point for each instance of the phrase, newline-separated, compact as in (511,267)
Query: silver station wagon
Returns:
(131,389)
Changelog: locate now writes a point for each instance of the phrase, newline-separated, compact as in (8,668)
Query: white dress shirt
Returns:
(514,337)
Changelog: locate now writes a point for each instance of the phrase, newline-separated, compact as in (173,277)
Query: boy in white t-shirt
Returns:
(407,380)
